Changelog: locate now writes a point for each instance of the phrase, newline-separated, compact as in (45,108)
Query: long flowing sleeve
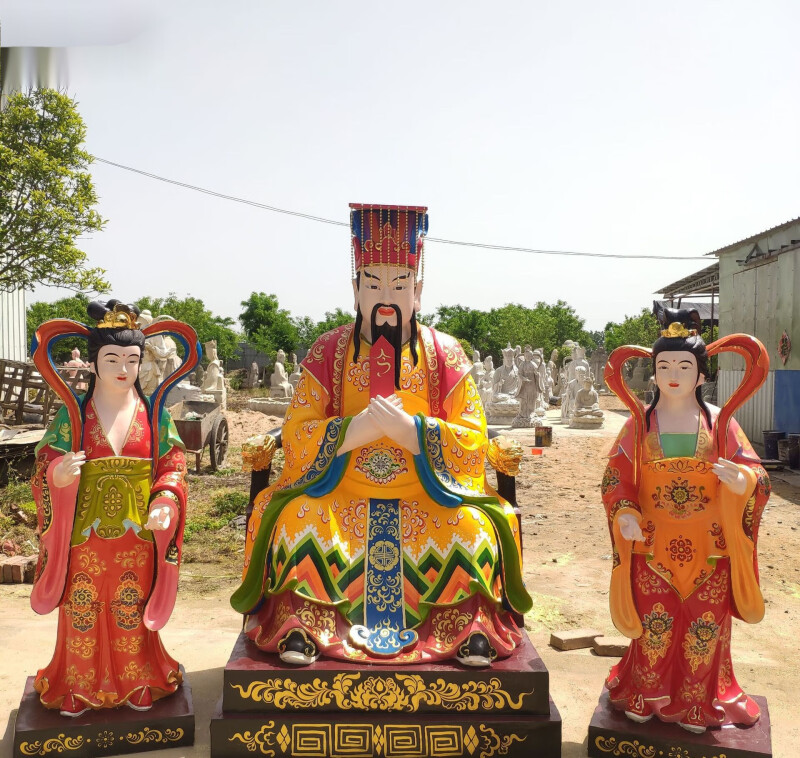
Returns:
(620,495)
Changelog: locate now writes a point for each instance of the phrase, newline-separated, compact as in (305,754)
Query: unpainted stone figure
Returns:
(213,380)
(279,385)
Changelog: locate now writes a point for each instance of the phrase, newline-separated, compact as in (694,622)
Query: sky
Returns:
(624,127)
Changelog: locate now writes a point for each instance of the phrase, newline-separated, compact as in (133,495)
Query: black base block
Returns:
(41,731)
(611,733)
(363,735)
(260,682)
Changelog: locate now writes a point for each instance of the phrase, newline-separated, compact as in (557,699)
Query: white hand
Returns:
(730,475)
(68,469)
(395,422)
(629,527)
(159,519)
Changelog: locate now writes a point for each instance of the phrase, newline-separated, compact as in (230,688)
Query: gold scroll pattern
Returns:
(636,749)
(365,740)
(398,692)
(104,740)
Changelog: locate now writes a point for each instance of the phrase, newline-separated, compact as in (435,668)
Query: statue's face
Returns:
(386,286)
(676,373)
(117,367)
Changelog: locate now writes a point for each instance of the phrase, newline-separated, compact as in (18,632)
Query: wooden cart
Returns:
(202,423)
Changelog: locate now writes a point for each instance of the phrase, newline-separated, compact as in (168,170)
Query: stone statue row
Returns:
(519,392)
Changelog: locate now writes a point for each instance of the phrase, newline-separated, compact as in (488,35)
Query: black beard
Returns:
(393,335)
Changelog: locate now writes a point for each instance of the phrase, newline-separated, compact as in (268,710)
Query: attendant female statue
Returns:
(683,492)
(110,489)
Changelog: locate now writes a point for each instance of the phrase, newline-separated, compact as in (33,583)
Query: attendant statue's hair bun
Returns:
(100,312)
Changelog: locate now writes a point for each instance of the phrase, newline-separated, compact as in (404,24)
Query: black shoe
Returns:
(298,648)
(476,651)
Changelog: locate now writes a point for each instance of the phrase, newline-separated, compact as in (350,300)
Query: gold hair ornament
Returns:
(121,317)
(676,329)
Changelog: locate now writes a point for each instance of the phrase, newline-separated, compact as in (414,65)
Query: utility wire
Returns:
(333,222)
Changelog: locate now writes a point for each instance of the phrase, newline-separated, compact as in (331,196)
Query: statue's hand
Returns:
(729,474)
(394,422)
(68,468)
(629,527)
(160,518)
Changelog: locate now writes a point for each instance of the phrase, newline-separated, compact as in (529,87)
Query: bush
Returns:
(229,504)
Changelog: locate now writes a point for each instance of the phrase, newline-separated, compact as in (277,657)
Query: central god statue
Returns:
(381,541)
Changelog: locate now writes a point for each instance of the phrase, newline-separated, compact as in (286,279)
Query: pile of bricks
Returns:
(18,569)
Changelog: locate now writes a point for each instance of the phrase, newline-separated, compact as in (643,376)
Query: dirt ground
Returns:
(566,565)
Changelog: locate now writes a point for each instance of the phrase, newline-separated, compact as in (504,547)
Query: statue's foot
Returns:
(72,706)
(298,648)
(476,651)
(638,717)
(693,728)
(141,700)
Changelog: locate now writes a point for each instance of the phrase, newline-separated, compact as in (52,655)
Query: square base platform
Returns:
(612,733)
(41,731)
(260,682)
(363,735)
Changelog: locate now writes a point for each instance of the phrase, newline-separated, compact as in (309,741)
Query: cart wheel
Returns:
(218,445)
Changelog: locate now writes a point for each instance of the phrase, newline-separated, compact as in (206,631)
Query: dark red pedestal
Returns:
(40,731)
(611,733)
(336,708)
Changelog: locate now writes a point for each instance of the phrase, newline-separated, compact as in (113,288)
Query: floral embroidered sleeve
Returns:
(458,444)
(618,488)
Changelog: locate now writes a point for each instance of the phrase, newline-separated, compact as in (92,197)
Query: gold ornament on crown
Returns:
(121,317)
(676,329)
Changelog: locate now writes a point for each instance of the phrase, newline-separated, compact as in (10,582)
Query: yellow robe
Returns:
(374,550)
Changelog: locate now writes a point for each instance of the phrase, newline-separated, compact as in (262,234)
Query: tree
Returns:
(633,330)
(268,326)
(193,311)
(331,321)
(69,307)
(47,197)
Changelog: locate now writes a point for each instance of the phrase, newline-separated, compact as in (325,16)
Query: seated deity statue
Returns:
(587,412)
(279,385)
(506,382)
(382,542)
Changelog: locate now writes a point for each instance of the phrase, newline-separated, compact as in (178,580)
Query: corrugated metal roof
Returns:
(704,282)
(756,237)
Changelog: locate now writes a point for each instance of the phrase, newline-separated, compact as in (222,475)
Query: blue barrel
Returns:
(771,437)
(794,451)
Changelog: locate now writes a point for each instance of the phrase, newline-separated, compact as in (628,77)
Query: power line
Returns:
(333,222)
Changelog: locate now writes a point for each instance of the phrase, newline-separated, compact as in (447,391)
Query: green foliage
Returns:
(309,332)
(199,524)
(229,504)
(47,197)
(546,326)
(69,307)
(193,311)
(640,330)
(267,326)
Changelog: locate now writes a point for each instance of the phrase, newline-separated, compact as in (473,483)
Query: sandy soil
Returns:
(566,566)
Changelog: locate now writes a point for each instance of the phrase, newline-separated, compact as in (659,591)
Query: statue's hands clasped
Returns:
(68,469)
(730,475)
(629,527)
(394,422)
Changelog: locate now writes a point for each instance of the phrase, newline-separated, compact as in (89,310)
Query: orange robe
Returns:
(679,588)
